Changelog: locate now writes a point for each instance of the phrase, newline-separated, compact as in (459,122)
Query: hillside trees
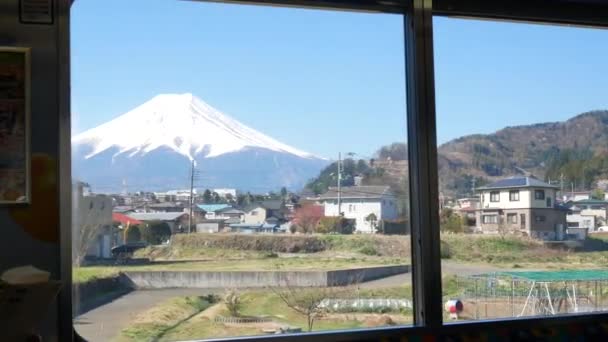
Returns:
(394,151)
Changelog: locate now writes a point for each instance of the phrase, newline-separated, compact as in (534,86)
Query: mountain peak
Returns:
(181,122)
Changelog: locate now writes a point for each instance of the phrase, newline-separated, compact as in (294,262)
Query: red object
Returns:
(454,306)
(124,219)
(309,213)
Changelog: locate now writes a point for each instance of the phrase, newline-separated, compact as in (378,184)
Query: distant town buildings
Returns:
(225,192)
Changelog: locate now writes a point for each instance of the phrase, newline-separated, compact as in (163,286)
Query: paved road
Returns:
(104,323)
(447,267)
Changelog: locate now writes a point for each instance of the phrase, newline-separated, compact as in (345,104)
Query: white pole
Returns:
(339,184)
(549,298)
(191,196)
(527,299)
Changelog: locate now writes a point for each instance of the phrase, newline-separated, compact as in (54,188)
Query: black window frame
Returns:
(509,215)
(422,148)
(512,195)
(494,199)
(537,196)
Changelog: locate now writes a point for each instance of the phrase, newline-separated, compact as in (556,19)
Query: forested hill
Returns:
(576,149)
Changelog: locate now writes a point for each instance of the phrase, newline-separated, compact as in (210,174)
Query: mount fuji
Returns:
(152,147)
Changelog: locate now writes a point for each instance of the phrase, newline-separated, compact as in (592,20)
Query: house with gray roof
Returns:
(523,205)
(260,212)
(358,202)
(178,222)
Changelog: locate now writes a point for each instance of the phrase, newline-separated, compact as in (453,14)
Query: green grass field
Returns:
(268,304)
(341,251)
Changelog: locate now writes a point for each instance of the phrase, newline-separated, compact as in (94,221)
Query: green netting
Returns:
(565,275)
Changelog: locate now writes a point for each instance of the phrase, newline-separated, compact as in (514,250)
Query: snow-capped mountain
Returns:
(151,148)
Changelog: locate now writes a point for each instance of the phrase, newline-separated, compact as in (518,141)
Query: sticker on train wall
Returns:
(40,219)
(36,11)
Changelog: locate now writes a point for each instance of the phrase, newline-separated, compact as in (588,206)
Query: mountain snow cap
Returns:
(181,122)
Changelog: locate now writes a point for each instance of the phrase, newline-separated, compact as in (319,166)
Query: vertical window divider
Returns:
(66,330)
(422,148)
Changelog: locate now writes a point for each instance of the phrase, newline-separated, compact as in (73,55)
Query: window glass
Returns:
(539,194)
(224,147)
(500,131)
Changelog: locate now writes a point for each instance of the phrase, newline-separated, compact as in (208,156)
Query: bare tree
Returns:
(233,302)
(502,228)
(308,301)
(92,214)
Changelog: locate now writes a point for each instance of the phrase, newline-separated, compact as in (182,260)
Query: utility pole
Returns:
(473,182)
(191,196)
(339,184)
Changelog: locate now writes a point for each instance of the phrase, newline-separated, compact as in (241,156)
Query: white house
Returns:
(580,225)
(524,205)
(94,233)
(224,192)
(576,196)
(180,195)
(358,202)
(591,207)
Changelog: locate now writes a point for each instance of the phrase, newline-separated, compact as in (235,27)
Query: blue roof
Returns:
(213,207)
(517,182)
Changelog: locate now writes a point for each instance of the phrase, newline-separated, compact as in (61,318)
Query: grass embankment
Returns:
(90,273)
(239,252)
(516,252)
(154,323)
(239,246)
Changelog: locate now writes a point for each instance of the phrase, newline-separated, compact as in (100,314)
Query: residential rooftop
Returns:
(213,207)
(157,216)
(267,204)
(361,191)
(517,182)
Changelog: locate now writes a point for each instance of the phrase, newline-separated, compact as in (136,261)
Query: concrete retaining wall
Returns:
(247,279)
(359,275)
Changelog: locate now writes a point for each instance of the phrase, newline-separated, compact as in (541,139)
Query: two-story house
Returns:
(94,234)
(358,202)
(265,211)
(521,204)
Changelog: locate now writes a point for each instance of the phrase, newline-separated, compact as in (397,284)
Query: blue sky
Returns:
(327,81)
